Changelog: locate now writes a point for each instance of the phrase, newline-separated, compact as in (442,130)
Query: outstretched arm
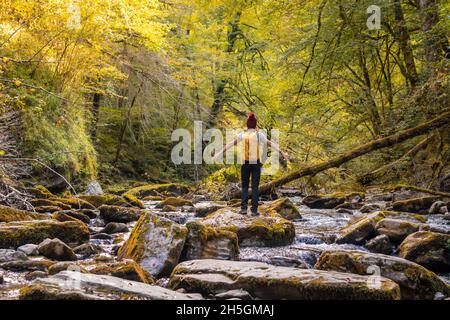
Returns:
(276,147)
(224,149)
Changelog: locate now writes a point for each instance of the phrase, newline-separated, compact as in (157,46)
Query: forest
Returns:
(91,92)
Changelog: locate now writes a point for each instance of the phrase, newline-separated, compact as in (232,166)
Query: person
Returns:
(251,166)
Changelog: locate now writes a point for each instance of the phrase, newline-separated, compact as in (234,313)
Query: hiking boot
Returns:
(255,213)
(243,212)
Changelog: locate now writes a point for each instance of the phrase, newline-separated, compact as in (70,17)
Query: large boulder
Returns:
(11,255)
(379,244)
(205,242)
(202,209)
(74,202)
(415,281)
(93,189)
(397,230)
(55,249)
(285,208)
(362,229)
(323,201)
(120,214)
(16,234)
(429,249)
(8,214)
(105,199)
(415,205)
(269,229)
(71,285)
(266,281)
(155,243)
(158,189)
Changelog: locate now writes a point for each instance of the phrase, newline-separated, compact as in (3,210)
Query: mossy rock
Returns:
(120,214)
(155,243)
(429,249)
(415,281)
(47,202)
(397,230)
(174,202)
(64,217)
(168,208)
(285,208)
(40,192)
(16,234)
(415,205)
(77,215)
(27,265)
(264,281)
(134,201)
(330,201)
(8,214)
(105,199)
(128,270)
(269,229)
(205,242)
(152,198)
(75,203)
(158,189)
(47,209)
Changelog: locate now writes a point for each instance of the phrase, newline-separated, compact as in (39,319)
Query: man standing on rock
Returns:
(251,166)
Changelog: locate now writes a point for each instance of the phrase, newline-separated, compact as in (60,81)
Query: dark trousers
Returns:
(253,170)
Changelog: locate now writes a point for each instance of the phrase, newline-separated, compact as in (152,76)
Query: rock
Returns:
(35,274)
(40,192)
(157,189)
(26,265)
(16,234)
(415,281)
(447,216)
(269,229)
(361,230)
(1,278)
(8,214)
(343,210)
(264,281)
(429,249)
(105,199)
(204,242)
(48,203)
(155,243)
(371,207)
(202,209)
(175,202)
(47,209)
(87,249)
(69,285)
(439,207)
(285,208)
(397,230)
(444,183)
(11,255)
(128,270)
(102,236)
(55,249)
(349,206)
(119,214)
(74,214)
(415,205)
(379,244)
(92,214)
(233,294)
(93,189)
(322,201)
(115,227)
(133,200)
(63,217)
(151,198)
(29,249)
(65,265)
(168,208)
(74,203)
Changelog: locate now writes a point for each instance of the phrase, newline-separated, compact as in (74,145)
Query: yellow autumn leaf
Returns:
(18,83)
(5,59)
(2,152)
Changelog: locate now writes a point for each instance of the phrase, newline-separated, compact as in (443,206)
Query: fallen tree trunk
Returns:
(371,176)
(356,152)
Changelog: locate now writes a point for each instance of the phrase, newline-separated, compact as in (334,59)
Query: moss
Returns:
(133,247)
(285,208)
(63,217)
(416,205)
(40,192)
(47,202)
(47,209)
(8,214)
(40,292)
(152,198)
(129,270)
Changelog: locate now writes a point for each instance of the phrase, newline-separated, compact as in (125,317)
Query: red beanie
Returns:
(251,121)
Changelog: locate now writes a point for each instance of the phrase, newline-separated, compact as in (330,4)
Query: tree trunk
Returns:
(369,177)
(430,17)
(355,153)
(95,112)
(402,35)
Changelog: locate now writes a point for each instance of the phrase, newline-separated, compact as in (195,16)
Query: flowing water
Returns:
(315,233)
